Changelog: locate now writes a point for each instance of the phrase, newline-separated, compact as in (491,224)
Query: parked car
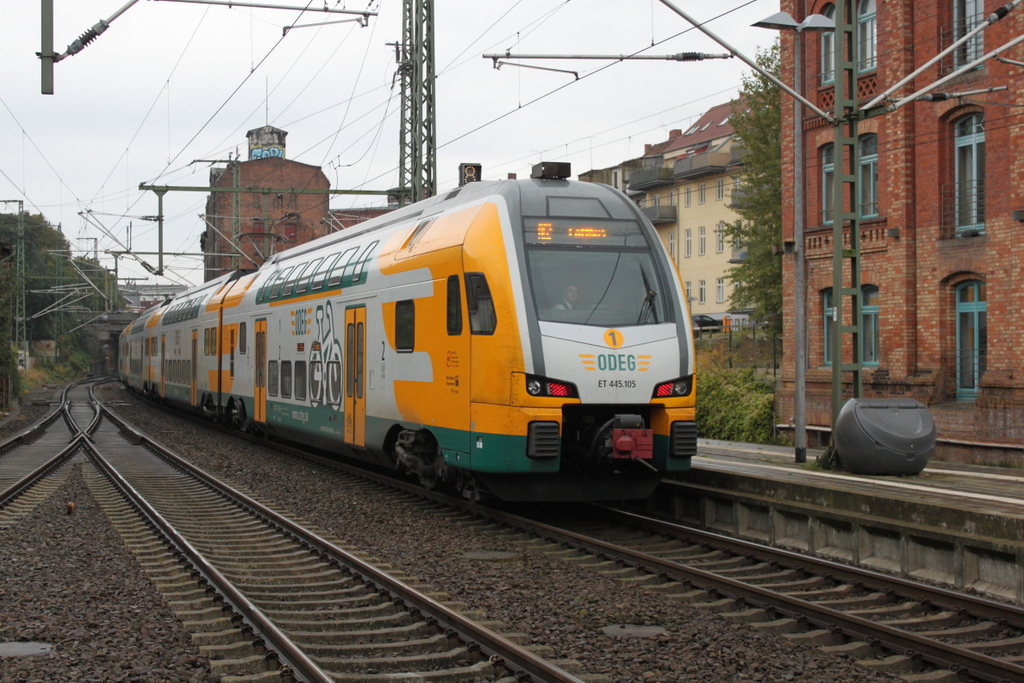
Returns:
(705,323)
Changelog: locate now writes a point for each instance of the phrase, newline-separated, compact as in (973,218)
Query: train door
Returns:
(163,365)
(260,373)
(355,371)
(193,365)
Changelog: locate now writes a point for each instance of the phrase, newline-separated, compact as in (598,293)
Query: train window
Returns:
(482,317)
(300,380)
(275,290)
(231,349)
(360,361)
(405,325)
(213,341)
(339,267)
(350,359)
(616,286)
(303,284)
(289,286)
(286,379)
(334,380)
(272,378)
(454,306)
(241,338)
(316,281)
(358,268)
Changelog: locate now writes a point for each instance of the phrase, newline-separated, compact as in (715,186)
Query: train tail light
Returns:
(677,387)
(542,386)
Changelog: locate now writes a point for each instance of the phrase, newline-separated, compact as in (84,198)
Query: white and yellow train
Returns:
(524,339)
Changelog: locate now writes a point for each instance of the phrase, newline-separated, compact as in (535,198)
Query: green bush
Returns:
(734,404)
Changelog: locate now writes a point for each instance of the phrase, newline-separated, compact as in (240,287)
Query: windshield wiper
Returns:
(648,306)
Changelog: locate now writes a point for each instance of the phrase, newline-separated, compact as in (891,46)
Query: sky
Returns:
(170,83)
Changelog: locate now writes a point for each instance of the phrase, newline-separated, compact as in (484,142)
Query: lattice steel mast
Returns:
(417,155)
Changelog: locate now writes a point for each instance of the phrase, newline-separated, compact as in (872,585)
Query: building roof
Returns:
(713,125)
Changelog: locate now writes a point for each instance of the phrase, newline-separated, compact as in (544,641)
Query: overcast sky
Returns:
(169,83)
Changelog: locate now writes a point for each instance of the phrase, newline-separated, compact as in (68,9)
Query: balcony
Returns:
(648,178)
(962,212)
(736,153)
(739,197)
(659,215)
(738,255)
(697,165)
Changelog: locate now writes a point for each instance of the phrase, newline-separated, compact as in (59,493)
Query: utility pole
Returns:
(417,155)
(845,194)
(58,322)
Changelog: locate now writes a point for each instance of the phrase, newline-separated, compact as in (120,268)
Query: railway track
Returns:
(33,463)
(917,631)
(890,624)
(265,596)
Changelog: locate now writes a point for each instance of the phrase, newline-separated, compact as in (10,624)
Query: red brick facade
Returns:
(934,230)
(266,222)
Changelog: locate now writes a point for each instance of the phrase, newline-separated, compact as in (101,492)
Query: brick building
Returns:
(288,206)
(939,191)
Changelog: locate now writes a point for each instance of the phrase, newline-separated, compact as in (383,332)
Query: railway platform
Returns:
(954,524)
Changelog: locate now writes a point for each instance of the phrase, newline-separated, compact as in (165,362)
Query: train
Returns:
(523,339)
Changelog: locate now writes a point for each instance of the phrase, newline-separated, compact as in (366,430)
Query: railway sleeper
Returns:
(894,664)
(448,659)
(301,626)
(754,615)
(437,642)
(414,631)
(779,626)
(816,638)
(938,620)
(975,630)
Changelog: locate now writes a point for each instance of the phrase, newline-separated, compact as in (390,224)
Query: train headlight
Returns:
(677,387)
(542,386)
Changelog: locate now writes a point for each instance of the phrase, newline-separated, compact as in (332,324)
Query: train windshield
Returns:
(594,272)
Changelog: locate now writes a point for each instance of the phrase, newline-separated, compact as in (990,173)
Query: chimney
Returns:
(674,133)
(511,176)
(647,149)
(266,142)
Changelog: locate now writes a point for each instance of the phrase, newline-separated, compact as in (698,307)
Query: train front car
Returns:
(605,400)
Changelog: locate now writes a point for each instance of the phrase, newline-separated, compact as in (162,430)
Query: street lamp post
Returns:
(782,21)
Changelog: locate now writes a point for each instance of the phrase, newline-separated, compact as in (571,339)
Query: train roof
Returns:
(532,196)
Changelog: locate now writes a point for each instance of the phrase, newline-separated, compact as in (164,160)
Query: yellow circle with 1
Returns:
(614,338)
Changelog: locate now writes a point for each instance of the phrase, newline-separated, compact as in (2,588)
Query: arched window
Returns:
(828,49)
(970,174)
(869,310)
(971,338)
(867,34)
(827,313)
(869,175)
(828,175)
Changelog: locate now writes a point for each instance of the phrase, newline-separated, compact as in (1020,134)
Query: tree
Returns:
(47,265)
(757,121)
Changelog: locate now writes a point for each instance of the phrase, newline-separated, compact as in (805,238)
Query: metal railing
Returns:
(645,178)
(962,371)
(706,163)
(962,209)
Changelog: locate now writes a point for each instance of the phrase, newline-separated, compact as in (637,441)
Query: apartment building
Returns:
(685,186)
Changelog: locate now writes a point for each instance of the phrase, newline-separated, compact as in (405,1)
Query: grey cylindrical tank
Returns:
(884,436)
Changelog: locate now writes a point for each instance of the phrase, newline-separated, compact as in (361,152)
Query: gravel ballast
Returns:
(68,581)
(554,602)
